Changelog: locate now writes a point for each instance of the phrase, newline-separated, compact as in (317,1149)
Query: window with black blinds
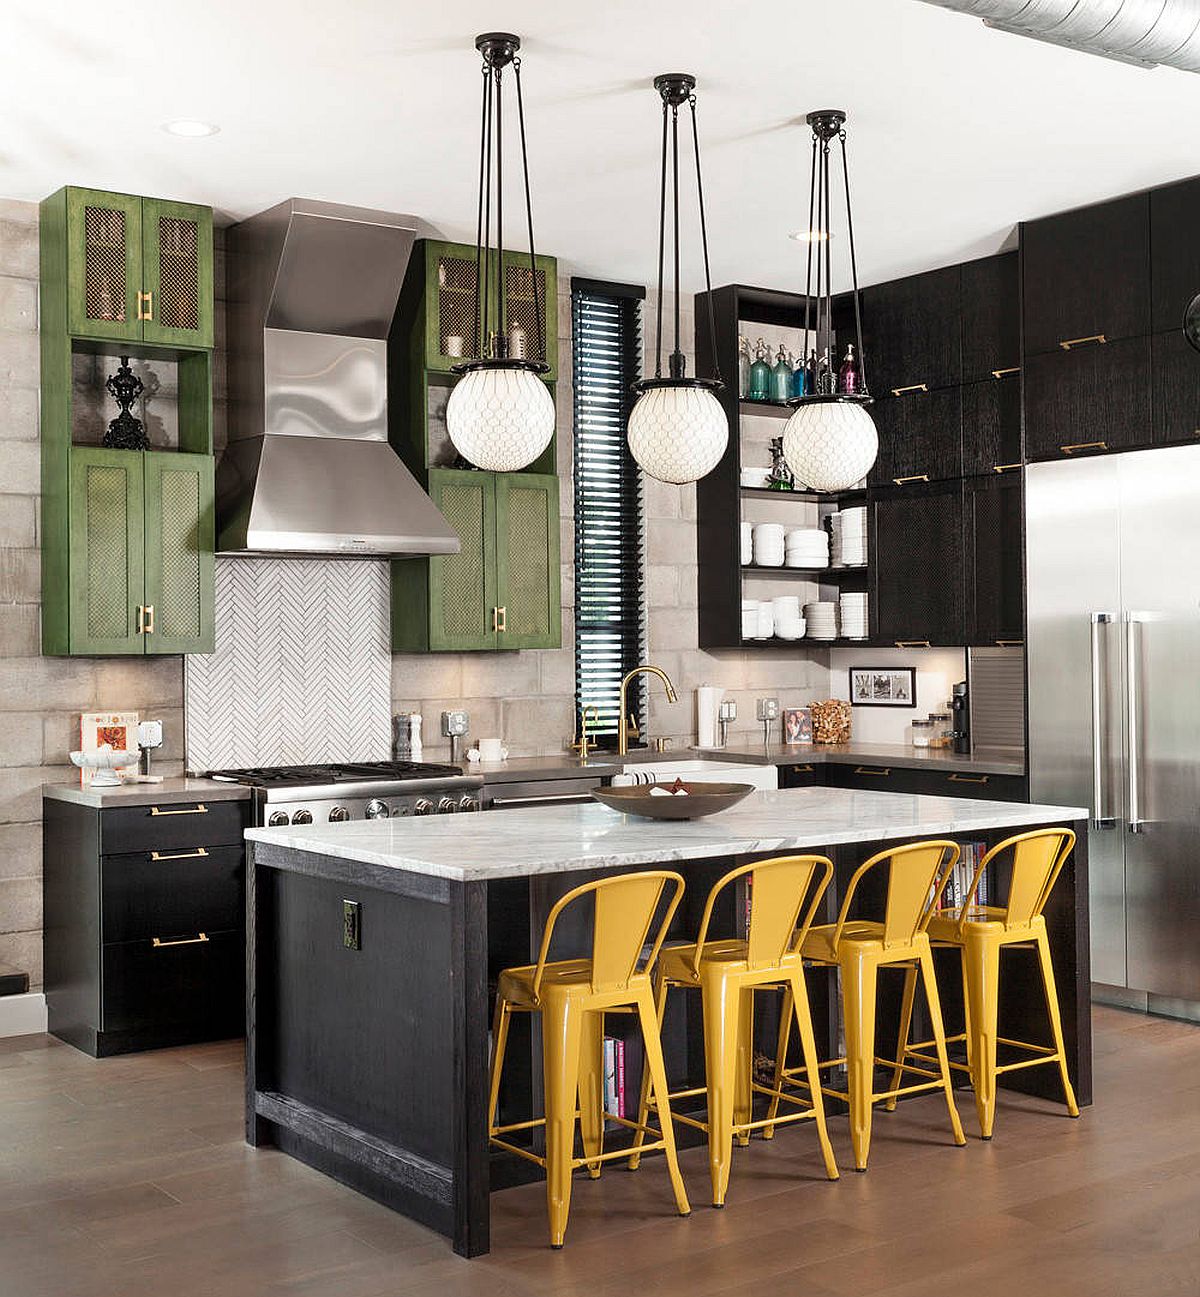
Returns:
(609,606)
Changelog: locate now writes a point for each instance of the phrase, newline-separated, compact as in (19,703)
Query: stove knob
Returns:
(377,810)
(277,818)
(302,817)
(468,803)
(338,815)
(423,807)
(447,806)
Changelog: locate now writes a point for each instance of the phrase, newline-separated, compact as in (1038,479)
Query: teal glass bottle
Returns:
(760,373)
(781,376)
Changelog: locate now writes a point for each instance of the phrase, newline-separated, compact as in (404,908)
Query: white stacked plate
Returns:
(766,620)
(768,544)
(806,547)
(756,477)
(849,527)
(852,615)
(747,543)
(749,619)
(821,618)
(789,624)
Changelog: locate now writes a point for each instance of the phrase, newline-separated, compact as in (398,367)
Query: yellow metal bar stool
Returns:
(572,996)
(727,974)
(980,933)
(917,875)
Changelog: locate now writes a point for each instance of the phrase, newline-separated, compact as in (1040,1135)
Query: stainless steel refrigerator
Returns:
(1113,642)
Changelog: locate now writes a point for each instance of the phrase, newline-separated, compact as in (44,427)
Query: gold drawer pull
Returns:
(503,615)
(1005,468)
(198,809)
(149,619)
(1083,445)
(141,619)
(1003,373)
(968,779)
(868,770)
(912,643)
(1009,643)
(802,770)
(159,944)
(199,854)
(912,387)
(914,477)
(1068,343)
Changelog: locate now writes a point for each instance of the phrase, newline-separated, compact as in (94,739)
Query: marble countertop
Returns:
(181,789)
(884,754)
(547,841)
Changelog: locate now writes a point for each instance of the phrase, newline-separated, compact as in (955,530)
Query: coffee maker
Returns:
(960,706)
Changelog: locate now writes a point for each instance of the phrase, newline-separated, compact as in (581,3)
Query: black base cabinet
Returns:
(883,778)
(144,924)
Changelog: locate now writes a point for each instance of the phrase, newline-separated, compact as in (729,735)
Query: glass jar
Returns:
(920,733)
(943,729)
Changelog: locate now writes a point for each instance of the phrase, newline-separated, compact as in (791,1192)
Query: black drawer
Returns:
(172,827)
(964,783)
(877,776)
(194,989)
(800,774)
(195,889)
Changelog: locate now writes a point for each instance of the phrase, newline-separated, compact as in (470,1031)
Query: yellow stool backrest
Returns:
(1037,861)
(778,890)
(917,876)
(625,905)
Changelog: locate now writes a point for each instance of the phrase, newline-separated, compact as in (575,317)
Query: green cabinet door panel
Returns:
(179,553)
(104,264)
(107,551)
(528,579)
(177,273)
(462,593)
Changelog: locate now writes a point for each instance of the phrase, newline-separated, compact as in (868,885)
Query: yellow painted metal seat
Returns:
(917,875)
(727,972)
(572,997)
(980,933)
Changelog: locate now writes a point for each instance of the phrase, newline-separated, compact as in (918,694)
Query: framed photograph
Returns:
(883,686)
(797,725)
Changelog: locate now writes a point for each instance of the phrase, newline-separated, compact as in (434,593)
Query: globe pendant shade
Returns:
(500,417)
(678,433)
(830,445)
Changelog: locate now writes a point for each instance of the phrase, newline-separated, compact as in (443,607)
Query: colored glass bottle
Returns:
(744,363)
(824,374)
(760,373)
(810,373)
(850,375)
(781,376)
(800,376)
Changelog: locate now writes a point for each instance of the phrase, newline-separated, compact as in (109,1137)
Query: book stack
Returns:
(959,882)
(614,1079)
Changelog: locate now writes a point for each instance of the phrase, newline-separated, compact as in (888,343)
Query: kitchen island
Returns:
(373,947)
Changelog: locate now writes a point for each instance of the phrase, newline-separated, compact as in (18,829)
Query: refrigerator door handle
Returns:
(1133,710)
(1099,819)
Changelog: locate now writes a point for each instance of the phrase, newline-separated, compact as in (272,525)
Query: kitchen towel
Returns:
(708,703)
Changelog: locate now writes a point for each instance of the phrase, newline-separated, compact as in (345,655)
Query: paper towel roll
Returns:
(708,704)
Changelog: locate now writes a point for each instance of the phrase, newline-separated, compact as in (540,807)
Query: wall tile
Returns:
(422,675)
(20,630)
(20,420)
(21,793)
(20,739)
(499,675)
(20,852)
(23,950)
(20,904)
(47,682)
(22,468)
(18,305)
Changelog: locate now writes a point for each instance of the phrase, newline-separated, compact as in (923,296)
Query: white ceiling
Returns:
(956,132)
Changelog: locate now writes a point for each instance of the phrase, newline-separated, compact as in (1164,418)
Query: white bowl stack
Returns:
(749,619)
(806,547)
(789,624)
(852,615)
(768,544)
(849,527)
(766,620)
(821,618)
(747,543)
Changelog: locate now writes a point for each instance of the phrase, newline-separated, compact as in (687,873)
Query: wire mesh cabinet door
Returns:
(528,577)
(177,273)
(105,297)
(179,553)
(463,612)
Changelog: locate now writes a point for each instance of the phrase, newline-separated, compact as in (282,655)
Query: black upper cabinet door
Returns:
(1086,273)
(994,549)
(991,316)
(1176,365)
(1174,252)
(1090,399)
(911,332)
(920,437)
(919,563)
(991,425)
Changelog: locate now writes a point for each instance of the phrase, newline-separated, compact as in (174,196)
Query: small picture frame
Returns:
(883,686)
(797,725)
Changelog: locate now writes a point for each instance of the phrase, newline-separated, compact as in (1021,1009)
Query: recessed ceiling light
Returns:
(190,128)
(808,236)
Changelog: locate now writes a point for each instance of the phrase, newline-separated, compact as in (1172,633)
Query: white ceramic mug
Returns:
(492,750)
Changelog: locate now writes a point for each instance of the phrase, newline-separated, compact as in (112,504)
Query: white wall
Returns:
(937,671)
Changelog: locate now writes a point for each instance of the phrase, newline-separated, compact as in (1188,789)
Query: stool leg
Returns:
(1043,949)
(858,995)
(562,1030)
(743,1104)
(660,1007)
(657,1069)
(500,1021)
(983,972)
(722,1003)
(906,1008)
(966,993)
(781,1049)
(808,1045)
(591,1090)
(939,1036)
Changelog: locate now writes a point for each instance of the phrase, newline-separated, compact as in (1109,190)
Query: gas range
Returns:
(354,790)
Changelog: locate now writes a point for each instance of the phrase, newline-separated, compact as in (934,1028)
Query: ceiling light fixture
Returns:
(809,236)
(678,429)
(190,128)
(830,440)
(500,415)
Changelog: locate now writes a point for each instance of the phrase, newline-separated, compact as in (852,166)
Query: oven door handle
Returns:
(546,799)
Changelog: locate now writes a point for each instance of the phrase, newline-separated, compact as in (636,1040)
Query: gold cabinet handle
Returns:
(1009,643)
(502,613)
(1067,343)
(1083,445)
(1005,468)
(912,477)
(141,619)
(149,306)
(141,298)
(883,772)
(968,779)
(198,809)
(198,854)
(159,944)
(149,619)
(912,387)
(1003,373)
(802,770)
(912,643)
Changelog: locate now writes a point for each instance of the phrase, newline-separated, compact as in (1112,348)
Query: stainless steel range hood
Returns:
(308,470)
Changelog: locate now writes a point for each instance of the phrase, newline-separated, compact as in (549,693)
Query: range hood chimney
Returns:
(308,470)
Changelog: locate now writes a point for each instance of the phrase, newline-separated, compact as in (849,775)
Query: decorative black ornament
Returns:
(125,432)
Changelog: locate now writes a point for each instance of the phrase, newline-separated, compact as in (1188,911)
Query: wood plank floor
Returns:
(129,1176)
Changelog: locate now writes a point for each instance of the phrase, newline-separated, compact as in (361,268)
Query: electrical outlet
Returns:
(352,925)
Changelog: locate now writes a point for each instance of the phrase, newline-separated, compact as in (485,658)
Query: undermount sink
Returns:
(698,771)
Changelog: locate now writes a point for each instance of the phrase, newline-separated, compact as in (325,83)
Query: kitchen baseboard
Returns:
(22,1015)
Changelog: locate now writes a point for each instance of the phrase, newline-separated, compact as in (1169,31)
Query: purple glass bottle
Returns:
(850,375)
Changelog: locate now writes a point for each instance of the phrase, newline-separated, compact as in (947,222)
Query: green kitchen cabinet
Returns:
(179,564)
(503,589)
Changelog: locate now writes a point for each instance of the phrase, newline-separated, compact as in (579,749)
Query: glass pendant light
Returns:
(678,430)
(830,440)
(500,415)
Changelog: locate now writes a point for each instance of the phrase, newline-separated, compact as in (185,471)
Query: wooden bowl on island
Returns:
(677,801)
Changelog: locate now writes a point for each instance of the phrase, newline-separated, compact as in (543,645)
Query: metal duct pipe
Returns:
(1143,32)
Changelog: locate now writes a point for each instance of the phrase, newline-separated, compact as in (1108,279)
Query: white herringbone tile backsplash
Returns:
(302,668)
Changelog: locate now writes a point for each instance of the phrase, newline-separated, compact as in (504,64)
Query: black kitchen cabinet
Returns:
(991,425)
(911,332)
(920,437)
(1174,252)
(801,774)
(1176,396)
(995,568)
(991,316)
(918,564)
(1089,399)
(1086,273)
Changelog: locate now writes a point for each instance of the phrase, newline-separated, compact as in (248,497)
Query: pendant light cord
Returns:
(812,238)
(533,273)
(712,322)
(502,329)
(662,238)
(829,378)
(862,366)
(675,200)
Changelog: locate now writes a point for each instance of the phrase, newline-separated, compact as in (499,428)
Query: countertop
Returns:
(467,848)
(884,754)
(185,788)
